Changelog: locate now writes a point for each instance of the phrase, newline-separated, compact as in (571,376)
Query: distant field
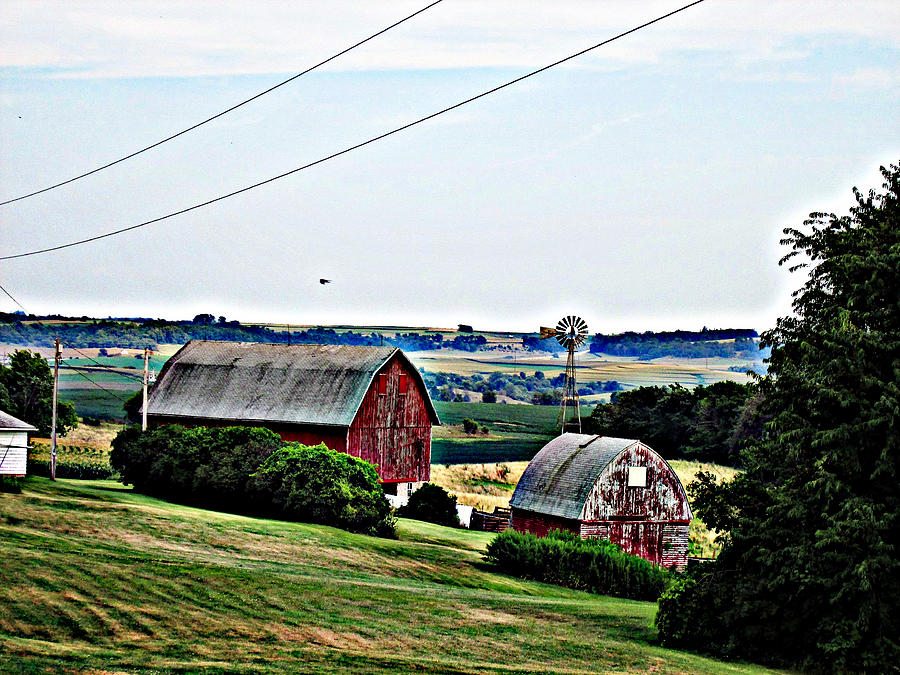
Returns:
(97,403)
(530,419)
(99,579)
(628,371)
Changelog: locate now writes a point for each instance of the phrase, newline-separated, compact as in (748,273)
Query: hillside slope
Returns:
(99,579)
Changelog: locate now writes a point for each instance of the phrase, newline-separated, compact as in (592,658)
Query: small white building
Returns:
(13,445)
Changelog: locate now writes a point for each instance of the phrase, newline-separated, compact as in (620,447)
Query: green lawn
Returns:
(99,579)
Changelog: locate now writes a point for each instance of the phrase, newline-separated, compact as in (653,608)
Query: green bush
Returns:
(70,469)
(319,485)
(690,615)
(203,466)
(433,504)
(249,470)
(563,558)
(10,484)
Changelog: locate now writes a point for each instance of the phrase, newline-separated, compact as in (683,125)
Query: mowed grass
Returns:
(99,579)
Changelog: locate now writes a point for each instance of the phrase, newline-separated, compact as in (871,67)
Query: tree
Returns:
(433,504)
(26,392)
(810,573)
(469,425)
(488,396)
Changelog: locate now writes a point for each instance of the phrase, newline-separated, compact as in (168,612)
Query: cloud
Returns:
(870,78)
(176,39)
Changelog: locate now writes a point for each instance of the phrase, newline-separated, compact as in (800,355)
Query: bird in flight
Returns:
(324,281)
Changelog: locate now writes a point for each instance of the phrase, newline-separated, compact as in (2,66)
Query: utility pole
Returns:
(55,399)
(146,377)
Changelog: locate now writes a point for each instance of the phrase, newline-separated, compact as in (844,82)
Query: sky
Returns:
(642,186)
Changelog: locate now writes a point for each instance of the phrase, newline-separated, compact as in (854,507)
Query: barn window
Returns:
(402,384)
(382,384)
(637,476)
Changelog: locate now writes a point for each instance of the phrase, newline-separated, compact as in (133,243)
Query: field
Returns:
(628,371)
(99,579)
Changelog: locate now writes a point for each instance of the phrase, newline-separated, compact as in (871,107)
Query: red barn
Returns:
(370,402)
(611,488)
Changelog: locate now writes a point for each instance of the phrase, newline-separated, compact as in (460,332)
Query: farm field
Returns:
(628,371)
(172,588)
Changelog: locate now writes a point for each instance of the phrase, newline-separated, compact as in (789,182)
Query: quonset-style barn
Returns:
(369,402)
(610,488)
(13,445)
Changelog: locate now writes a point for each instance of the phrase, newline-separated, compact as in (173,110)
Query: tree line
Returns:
(710,423)
(724,343)
(537,389)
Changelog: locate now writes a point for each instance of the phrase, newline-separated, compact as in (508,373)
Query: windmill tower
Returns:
(570,332)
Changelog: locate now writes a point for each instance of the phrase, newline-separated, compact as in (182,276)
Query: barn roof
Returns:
(561,475)
(7,421)
(293,384)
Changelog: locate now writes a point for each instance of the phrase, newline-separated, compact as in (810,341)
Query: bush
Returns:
(690,615)
(10,485)
(470,426)
(249,470)
(432,504)
(319,485)
(202,466)
(69,469)
(592,565)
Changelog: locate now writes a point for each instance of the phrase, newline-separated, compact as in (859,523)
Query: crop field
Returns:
(628,371)
(99,579)
(531,419)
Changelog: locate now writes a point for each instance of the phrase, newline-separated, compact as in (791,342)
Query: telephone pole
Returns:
(55,398)
(146,377)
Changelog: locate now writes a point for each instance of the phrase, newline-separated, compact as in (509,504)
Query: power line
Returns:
(224,112)
(102,365)
(77,370)
(13,299)
(352,147)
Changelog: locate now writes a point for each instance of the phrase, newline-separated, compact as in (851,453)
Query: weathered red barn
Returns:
(610,488)
(369,402)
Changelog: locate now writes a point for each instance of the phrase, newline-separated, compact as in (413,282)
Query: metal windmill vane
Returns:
(570,332)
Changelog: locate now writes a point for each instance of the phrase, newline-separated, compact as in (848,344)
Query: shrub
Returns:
(433,504)
(563,558)
(10,484)
(319,485)
(249,470)
(70,469)
(469,425)
(690,615)
(203,466)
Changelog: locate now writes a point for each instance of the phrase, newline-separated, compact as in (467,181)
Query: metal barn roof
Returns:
(7,421)
(294,384)
(561,475)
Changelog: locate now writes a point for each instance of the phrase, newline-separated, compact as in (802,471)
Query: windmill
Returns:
(570,332)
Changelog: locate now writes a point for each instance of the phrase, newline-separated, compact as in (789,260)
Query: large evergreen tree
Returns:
(810,573)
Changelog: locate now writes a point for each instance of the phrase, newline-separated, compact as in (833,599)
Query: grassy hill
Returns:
(99,579)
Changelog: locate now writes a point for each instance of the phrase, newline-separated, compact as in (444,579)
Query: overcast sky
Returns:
(643,185)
